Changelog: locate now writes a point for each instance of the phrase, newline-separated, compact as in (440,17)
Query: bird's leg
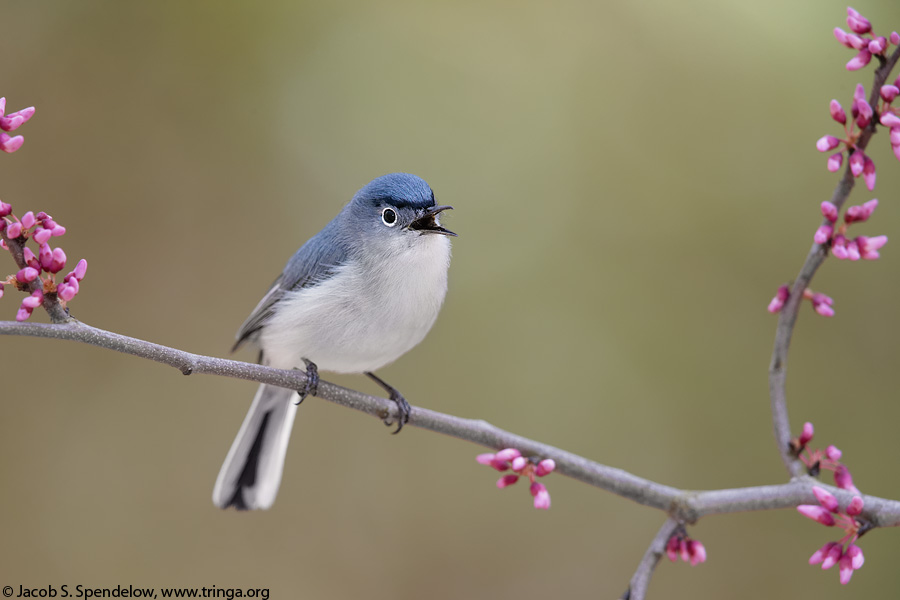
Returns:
(312,381)
(402,405)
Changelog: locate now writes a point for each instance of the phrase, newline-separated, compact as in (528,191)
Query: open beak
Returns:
(428,222)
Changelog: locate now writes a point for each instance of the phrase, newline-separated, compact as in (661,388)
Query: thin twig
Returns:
(788,316)
(637,588)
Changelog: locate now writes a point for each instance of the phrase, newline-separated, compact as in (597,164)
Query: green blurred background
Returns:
(632,181)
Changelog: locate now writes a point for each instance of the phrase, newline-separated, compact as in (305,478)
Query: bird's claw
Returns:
(311,388)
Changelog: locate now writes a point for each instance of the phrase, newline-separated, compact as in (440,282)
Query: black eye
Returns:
(389,217)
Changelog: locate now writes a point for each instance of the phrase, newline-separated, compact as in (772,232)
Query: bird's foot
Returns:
(312,381)
(403,407)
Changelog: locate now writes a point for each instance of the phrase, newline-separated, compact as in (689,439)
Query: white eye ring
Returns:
(389,217)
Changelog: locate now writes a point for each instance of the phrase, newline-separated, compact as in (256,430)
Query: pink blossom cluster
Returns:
(862,115)
(843,247)
(11,122)
(862,38)
(510,458)
(820,302)
(828,459)
(689,550)
(843,552)
(42,267)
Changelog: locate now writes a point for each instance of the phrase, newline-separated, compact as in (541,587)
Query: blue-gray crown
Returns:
(398,189)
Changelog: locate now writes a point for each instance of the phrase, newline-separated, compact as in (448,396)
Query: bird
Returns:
(355,297)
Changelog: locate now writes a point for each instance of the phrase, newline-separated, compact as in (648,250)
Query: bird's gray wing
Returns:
(318,258)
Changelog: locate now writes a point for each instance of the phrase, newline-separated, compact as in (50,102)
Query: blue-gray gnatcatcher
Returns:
(355,297)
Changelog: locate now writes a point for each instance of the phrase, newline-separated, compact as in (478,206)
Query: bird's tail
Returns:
(251,474)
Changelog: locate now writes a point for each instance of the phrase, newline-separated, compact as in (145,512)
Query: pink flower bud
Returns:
(864,113)
(824,310)
(855,507)
(672,547)
(519,462)
(58,231)
(1,290)
(826,143)
(844,480)
(853,250)
(34,300)
(816,513)
(777,304)
(856,556)
(889,92)
(58,262)
(73,283)
(878,45)
(837,112)
(5,209)
(833,556)
(825,498)
(30,259)
(541,495)
(41,236)
(857,163)
(895,136)
(28,220)
(833,453)
(80,269)
(846,569)
(545,467)
(856,42)
(859,93)
(869,246)
(859,24)
(485,459)
(869,173)
(841,36)
(696,551)
(507,480)
(23,313)
(66,292)
(11,144)
(806,434)
(889,119)
(834,162)
(45,254)
(27,275)
(895,38)
(823,234)
(14,230)
(859,61)
(829,211)
(508,454)
(839,247)
(820,554)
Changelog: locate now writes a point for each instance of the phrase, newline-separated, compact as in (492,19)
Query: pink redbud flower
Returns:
(844,480)
(541,495)
(816,513)
(857,163)
(28,220)
(829,211)
(27,275)
(841,36)
(869,246)
(853,250)
(806,434)
(30,259)
(823,234)
(518,463)
(780,298)
(696,552)
(13,121)
(895,137)
(826,143)
(34,300)
(5,209)
(1,290)
(859,61)
(58,261)
(855,507)
(508,454)
(42,235)
(80,269)
(10,144)
(833,556)
(857,22)
(14,230)
(833,453)
(825,498)
(889,119)
(859,94)
(864,113)
(545,467)
(23,313)
(66,292)
(821,554)
(823,309)
(895,38)
(889,92)
(839,247)
(57,231)
(837,112)
(860,212)
(878,45)
(507,480)
(834,162)
(869,173)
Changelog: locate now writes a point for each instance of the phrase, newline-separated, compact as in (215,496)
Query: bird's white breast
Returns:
(370,312)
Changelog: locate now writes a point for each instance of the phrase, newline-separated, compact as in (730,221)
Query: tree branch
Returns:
(788,316)
(686,506)
(637,588)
